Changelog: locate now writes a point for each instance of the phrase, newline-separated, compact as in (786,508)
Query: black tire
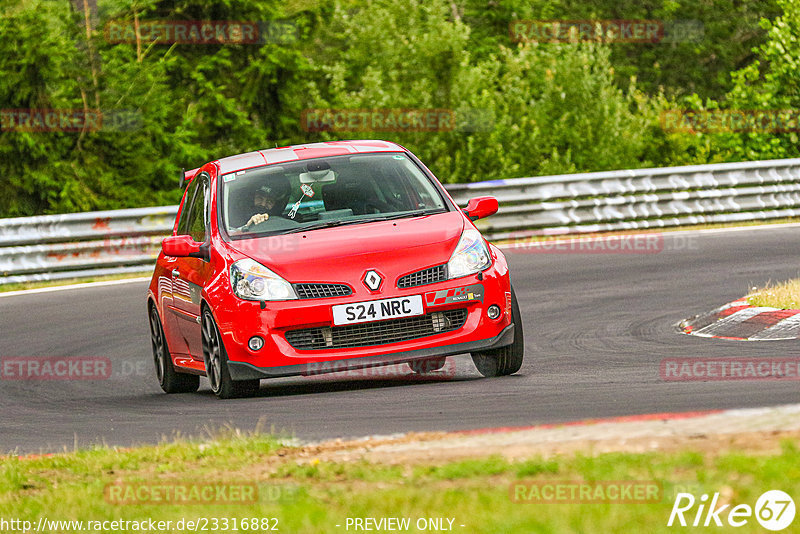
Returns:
(169,380)
(505,360)
(427,366)
(216,360)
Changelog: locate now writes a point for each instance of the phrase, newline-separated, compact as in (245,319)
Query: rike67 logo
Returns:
(774,510)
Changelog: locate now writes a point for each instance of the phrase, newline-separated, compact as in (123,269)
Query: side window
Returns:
(196,224)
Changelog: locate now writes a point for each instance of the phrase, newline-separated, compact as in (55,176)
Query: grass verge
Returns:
(307,495)
(783,295)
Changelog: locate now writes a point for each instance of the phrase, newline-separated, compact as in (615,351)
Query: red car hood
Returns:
(344,254)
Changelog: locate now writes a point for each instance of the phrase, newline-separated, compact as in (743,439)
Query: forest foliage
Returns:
(521,108)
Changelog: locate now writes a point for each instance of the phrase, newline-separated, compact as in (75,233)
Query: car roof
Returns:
(301,152)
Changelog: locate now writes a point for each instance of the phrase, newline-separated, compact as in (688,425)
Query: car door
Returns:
(189,274)
(172,316)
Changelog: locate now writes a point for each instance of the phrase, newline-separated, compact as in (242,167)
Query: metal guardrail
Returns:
(639,199)
(80,245)
(53,247)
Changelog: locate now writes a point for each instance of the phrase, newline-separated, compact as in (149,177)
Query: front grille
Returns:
(423,277)
(379,333)
(321,291)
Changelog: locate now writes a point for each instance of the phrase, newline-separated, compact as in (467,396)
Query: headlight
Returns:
(471,255)
(253,281)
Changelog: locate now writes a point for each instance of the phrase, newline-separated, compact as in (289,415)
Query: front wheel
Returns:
(505,360)
(169,380)
(216,360)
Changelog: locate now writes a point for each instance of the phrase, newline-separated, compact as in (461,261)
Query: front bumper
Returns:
(246,371)
(239,320)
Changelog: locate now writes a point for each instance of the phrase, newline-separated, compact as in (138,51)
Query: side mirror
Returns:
(183,246)
(480,207)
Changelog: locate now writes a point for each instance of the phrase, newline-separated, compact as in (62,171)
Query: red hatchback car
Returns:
(325,257)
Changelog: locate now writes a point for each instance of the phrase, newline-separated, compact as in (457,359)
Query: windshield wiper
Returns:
(315,226)
(403,215)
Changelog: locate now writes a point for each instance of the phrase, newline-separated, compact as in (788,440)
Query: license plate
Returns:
(377,310)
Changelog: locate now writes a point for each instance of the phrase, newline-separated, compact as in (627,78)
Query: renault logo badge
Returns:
(372,280)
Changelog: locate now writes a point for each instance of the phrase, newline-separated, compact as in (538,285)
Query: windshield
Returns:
(322,192)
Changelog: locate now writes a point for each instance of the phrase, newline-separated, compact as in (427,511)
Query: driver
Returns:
(268,201)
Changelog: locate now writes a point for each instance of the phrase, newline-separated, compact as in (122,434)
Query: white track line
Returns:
(74,286)
(768,418)
(664,232)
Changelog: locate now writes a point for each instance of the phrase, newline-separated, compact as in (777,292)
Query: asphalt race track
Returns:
(596,328)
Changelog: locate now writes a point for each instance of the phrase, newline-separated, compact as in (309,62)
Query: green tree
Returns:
(771,82)
(683,63)
(521,109)
(186,103)
(540,109)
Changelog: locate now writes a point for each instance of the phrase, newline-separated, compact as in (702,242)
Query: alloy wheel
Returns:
(212,351)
